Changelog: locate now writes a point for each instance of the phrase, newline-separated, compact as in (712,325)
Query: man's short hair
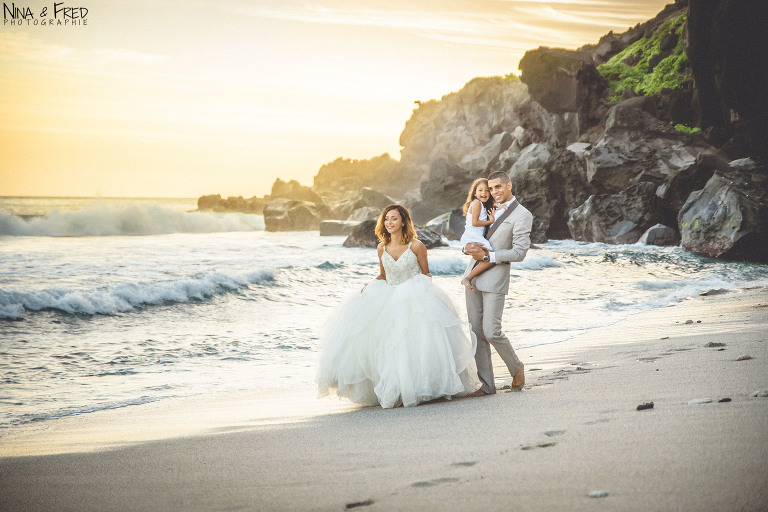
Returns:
(499,175)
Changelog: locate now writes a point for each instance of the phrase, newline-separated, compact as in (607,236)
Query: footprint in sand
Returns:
(595,422)
(357,504)
(540,445)
(436,481)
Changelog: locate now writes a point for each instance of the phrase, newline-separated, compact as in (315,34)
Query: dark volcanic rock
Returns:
(564,81)
(636,146)
(727,43)
(677,187)
(289,215)
(429,238)
(550,183)
(660,234)
(728,218)
(364,235)
(616,219)
(448,225)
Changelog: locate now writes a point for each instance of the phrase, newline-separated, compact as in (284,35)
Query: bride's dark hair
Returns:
(409,232)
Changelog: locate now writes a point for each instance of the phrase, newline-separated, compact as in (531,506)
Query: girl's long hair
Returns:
(409,232)
(471,196)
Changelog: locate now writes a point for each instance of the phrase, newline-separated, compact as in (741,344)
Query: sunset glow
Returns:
(180,99)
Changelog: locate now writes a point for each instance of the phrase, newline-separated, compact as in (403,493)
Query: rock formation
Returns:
(616,218)
(601,143)
(295,191)
(216,203)
(364,235)
(290,215)
(728,218)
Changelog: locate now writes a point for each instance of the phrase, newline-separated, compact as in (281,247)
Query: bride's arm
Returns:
(420,250)
(382,275)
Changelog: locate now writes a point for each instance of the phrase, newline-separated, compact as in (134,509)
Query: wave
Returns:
(126,297)
(127,220)
(454,265)
(75,411)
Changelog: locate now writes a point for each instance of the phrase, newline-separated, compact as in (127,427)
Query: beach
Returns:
(575,430)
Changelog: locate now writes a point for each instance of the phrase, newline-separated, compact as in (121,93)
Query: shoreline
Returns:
(573,430)
(177,417)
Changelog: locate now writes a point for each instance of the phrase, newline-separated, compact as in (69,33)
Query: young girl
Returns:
(480,213)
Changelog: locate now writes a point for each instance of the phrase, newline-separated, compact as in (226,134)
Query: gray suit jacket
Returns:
(510,242)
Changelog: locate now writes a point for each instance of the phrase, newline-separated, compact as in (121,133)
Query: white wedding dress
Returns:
(400,341)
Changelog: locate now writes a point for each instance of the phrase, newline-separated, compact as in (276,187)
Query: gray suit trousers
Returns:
(484,310)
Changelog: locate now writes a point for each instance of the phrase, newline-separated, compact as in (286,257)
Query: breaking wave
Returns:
(125,297)
(127,220)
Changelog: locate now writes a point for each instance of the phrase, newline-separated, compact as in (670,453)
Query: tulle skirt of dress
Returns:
(396,344)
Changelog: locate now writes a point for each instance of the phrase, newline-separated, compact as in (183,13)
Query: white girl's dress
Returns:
(474,234)
(400,341)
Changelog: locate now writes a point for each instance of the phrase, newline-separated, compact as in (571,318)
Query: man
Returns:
(510,237)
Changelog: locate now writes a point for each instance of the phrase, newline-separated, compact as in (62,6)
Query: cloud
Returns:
(498,24)
(23,48)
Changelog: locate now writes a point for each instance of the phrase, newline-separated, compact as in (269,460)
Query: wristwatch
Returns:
(486,258)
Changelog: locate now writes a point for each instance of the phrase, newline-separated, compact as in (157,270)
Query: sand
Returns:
(574,430)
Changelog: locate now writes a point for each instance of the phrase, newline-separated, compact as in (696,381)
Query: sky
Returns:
(183,98)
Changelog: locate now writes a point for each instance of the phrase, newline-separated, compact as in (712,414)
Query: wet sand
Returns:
(573,431)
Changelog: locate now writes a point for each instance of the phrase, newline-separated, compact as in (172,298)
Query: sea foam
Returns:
(132,219)
(125,297)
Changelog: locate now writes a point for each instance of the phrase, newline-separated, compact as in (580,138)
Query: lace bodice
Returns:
(400,270)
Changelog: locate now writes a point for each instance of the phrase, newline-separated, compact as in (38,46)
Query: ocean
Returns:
(108,303)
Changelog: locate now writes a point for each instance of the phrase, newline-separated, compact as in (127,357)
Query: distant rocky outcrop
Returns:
(464,122)
(342,179)
(291,215)
(294,191)
(215,203)
(367,204)
(364,235)
(337,227)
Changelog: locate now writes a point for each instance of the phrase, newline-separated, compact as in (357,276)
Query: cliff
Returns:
(662,124)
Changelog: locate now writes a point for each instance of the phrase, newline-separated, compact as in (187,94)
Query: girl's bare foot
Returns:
(466,283)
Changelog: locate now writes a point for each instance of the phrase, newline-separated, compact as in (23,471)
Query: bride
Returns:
(399,341)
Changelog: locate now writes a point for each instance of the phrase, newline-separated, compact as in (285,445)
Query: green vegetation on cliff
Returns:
(687,129)
(669,72)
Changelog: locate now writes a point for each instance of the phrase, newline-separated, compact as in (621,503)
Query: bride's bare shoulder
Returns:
(417,246)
